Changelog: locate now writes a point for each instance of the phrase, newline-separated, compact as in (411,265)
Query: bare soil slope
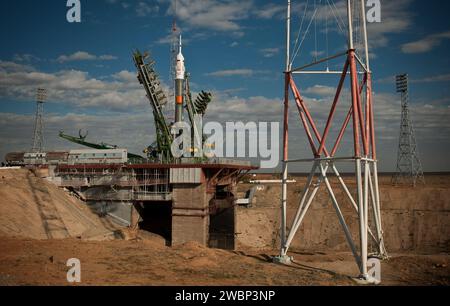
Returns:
(31,207)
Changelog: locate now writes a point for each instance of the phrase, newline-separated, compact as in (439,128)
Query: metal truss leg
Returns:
(377,208)
(283,208)
(349,195)
(366,203)
(341,218)
(362,223)
(367,199)
(305,203)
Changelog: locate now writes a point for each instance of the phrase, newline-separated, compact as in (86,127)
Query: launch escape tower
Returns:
(409,167)
(357,111)
(174,48)
(38,139)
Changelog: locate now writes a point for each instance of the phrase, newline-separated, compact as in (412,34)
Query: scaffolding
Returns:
(126,184)
(151,184)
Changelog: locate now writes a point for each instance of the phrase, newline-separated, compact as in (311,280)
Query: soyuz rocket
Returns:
(179,82)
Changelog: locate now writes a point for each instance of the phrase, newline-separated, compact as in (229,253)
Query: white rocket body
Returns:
(180,69)
(179,86)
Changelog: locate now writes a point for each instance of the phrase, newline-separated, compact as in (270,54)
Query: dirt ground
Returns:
(42,227)
(146,260)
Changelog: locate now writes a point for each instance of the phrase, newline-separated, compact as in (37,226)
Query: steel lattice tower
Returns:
(38,140)
(326,147)
(409,167)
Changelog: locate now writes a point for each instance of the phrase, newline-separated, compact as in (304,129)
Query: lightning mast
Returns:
(38,139)
(409,167)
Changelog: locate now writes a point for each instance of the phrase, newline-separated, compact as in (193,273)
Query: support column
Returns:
(190,214)
(285,165)
(362,223)
(283,258)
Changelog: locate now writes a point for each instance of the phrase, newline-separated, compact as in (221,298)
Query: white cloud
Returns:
(316,54)
(243,72)
(7,67)
(268,11)
(168,39)
(396,18)
(107,57)
(218,15)
(25,58)
(75,87)
(231,72)
(270,52)
(125,76)
(84,56)
(433,79)
(426,44)
(320,90)
(256,108)
(144,9)
(133,128)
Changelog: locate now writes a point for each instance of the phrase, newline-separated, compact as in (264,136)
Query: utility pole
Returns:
(409,167)
(38,140)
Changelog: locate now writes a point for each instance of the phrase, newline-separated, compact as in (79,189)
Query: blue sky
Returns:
(233,48)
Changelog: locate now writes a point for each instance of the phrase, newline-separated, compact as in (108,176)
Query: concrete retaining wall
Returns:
(414,220)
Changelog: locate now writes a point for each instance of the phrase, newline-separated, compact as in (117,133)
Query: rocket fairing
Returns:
(179,82)
(180,68)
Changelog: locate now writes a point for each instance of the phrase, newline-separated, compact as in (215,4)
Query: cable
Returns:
(315,33)
(338,19)
(326,40)
(298,45)
(304,36)
(301,27)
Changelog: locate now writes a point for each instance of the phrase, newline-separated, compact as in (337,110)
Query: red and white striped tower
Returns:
(325,158)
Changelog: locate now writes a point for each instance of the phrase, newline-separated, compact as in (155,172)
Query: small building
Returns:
(113,156)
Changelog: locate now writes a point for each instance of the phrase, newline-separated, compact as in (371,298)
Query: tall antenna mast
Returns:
(38,139)
(409,167)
